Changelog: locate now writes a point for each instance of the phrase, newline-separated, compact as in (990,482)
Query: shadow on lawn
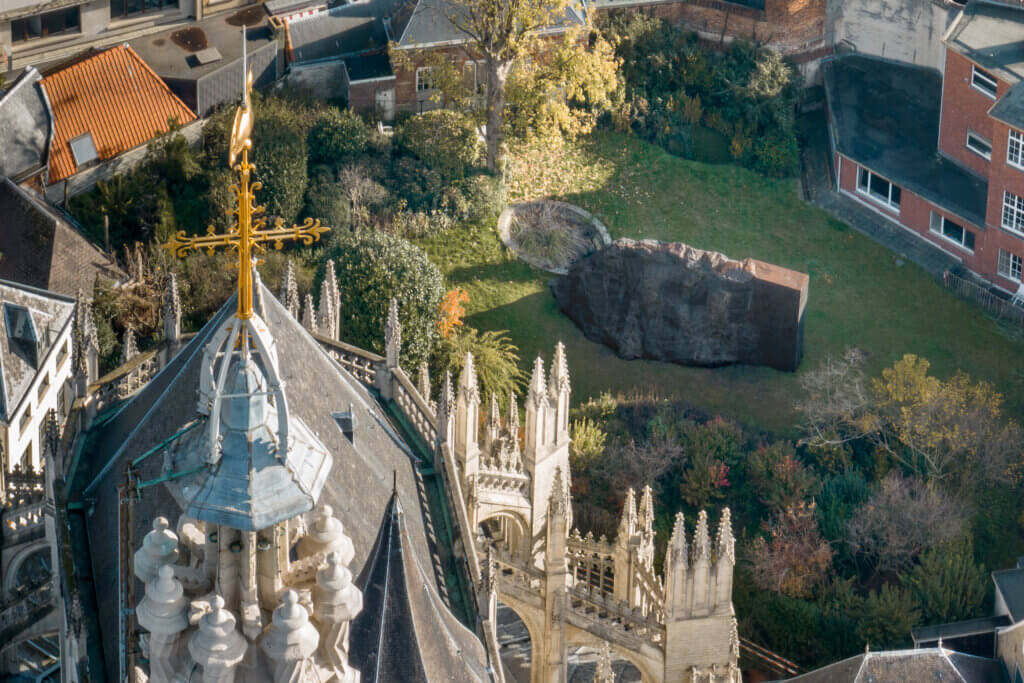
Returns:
(513,271)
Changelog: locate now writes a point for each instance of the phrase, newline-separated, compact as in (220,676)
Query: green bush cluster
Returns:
(674,85)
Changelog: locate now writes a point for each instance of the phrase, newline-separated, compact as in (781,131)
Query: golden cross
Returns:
(248,233)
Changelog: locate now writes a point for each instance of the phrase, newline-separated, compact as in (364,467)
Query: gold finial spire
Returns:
(248,233)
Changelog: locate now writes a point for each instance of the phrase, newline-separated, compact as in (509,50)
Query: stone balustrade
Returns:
(503,482)
(23,520)
(592,605)
(360,363)
(20,613)
(414,406)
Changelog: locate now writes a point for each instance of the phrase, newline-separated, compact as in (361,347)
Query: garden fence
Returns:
(994,304)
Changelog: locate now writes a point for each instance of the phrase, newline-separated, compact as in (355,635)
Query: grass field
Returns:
(860,295)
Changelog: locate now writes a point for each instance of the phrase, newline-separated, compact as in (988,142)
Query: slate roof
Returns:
(41,249)
(1010,584)
(959,629)
(989,34)
(900,666)
(365,67)
(25,127)
(341,31)
(26,343)
(113,95)
(430,24)
(885,116)
(365,473)
(1010,107)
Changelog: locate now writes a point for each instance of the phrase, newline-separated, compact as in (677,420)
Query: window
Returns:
(63,355)
(952,231)
(979,145)
(474,76)
(878,188)
(984,81)
(45,25)
(26,417)
(83,149)
(126,8)
(1013,212)
(1015,150)
(44,386)
(1010,265)
(423,79)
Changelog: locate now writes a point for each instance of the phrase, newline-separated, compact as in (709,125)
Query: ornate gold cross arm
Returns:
(307,233)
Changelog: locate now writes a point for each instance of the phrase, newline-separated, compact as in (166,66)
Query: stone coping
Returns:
(505,232)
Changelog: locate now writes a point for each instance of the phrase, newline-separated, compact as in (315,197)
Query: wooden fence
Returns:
(1002,309)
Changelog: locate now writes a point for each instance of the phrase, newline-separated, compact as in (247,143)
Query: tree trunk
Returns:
(497,74)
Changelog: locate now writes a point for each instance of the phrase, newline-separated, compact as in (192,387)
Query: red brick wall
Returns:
(1002,177)
(362,97)
(406,98)
(964,107)
(790,26)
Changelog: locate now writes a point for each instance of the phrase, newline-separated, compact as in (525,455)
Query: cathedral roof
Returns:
(367,470)
(928,664)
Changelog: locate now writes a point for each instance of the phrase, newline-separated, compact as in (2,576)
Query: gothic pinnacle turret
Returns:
(392,335)
(172,310)
(309,315)
(290,290)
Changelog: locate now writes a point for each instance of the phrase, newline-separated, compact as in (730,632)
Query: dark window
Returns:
(126,8)
(45,25)
(878,188)
(984,81)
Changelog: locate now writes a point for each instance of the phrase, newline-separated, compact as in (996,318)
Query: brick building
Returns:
(942,154)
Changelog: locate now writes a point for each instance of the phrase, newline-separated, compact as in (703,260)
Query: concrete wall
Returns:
(904,30)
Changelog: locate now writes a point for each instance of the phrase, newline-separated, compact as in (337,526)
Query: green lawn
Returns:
(859,294)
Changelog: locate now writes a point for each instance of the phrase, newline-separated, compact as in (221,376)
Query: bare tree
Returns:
(837,398)
(903,518)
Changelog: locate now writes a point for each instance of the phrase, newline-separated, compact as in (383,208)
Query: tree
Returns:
(495,358)
(947,584)
(452,312)
(781,480)
(795,559)
(337,135)
(837,398)
(901,519)
(280,159)
(373,268)
(445,139)
(711,450)
(887,617)
(504,34)
(587,445)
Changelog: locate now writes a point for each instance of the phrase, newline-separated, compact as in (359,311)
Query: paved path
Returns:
(819,185)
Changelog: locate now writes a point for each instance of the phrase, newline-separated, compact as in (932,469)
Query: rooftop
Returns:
(42,249)
(991,35)
(896,666)
(1010,107)
(114,97)
(959,629)
(365,67)
(338,32)
(31,322)
(178,53)
(430,24)
(1010,584)
(24,126)
(885,116)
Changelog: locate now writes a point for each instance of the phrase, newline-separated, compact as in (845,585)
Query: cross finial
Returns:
(249,232)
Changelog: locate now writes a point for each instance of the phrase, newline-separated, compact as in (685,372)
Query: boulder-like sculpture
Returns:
(668,301)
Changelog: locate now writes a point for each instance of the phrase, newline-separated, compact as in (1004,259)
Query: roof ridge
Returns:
(132,53)
(19,82)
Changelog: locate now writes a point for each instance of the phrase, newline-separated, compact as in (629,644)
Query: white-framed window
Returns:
(424,81)
(878,188)
(954,232)
(1010,265)
(1015,149)
(983,81)
(1013,212)
(474,76)
(979,145)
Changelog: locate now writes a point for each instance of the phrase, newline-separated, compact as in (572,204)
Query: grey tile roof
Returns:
(25,126)
(41,248)
(358,488)
(901,666)
(1010,107)
(364,67)
(959,629)
(885,116)
(344,30)
(990,35)
(430,24)
(24,350)
(1010,584)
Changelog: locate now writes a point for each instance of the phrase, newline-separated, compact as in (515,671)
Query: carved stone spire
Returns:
(217,646)
(628,521)
(309,315)
(538,388)
(701,539)
(469,388)
(445,410)
(676,565)
(164,613)
(513,421)
(129,347)
(467,416)
(392,335)
(725,544)
(645,515)
(678,540)
(291,640)
(290,290)
(558,502)
(159,548)
(423,383)
(604,672)
(85,344)
(492,430)
(559,371)
(172,310)
(328,311)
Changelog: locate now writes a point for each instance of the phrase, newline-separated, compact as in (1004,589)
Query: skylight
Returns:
(83,149)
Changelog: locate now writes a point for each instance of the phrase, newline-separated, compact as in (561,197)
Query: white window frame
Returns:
(971,135)
(878,199)
(1010,265)
(937,226)
(1012,218)
(1015,149)
(984,77)
(423,84)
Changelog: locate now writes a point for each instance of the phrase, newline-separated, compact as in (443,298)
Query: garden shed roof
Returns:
(884,115)
(430,24)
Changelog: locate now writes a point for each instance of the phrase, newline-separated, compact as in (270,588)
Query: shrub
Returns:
(326,200)
(781,480)
(280,159)
(587,445)
(337,135)
(373,268)
(887,617)
(839,497)
(776,154)
(444,139)
(795,559)
(495,358)
(947,584)
(713,448)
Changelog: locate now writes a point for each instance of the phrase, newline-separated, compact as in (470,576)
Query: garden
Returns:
(871,490)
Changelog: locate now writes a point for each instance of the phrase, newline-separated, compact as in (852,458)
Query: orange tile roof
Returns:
(113,95)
